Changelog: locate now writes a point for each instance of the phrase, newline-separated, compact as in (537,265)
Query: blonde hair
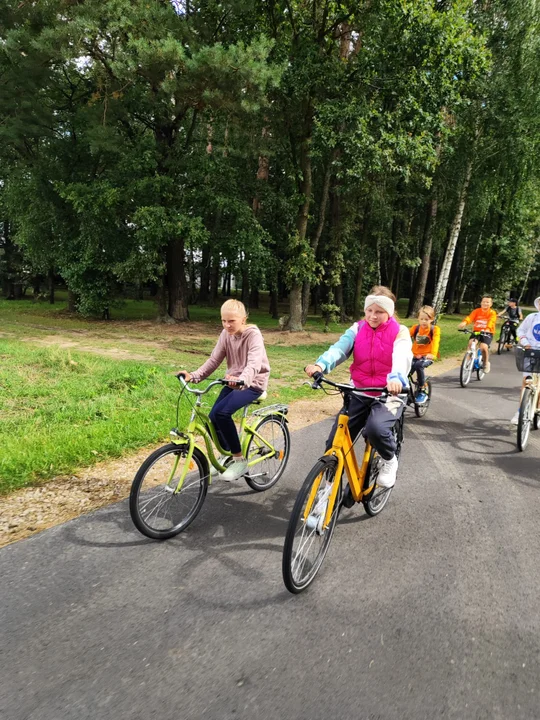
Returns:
(235,306)
(386,292)
(429,311)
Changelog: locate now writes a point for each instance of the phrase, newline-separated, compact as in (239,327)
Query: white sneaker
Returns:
(487,367)
(235,470)
(388,472)
(515,419)
(315,519)
(214,472)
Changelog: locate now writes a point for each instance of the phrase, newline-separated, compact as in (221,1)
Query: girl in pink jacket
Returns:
(248,371)
(381,350)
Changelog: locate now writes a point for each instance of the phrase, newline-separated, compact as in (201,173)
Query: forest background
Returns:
(292,152)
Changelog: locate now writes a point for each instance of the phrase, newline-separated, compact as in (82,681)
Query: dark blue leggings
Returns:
(228,402)
(418,365)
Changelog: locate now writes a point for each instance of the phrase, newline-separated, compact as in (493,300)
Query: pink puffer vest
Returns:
(372,353)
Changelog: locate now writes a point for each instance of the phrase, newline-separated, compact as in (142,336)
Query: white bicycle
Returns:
(528,361)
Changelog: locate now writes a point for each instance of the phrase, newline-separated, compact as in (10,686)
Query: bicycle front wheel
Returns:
(376,497)
(466,369)
(480,372)
(161,504)
(503,340)
(270,448)
(307,541)
(525,419)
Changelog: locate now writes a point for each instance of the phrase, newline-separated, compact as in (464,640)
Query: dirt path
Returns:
(33,509)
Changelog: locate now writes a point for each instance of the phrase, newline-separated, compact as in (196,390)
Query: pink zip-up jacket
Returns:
(246,358)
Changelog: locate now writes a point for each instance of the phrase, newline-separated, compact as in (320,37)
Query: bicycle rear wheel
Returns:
(264,474)
(421,408)
(525,419)
(306,541)
(466,369)
(158,508)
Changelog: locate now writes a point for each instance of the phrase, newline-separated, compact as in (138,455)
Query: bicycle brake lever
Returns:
(312,385)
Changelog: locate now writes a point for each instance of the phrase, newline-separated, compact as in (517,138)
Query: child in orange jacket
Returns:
(426,338)
(484,320)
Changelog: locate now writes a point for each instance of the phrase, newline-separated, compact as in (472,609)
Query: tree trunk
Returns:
(442,282)
(162,300)
(358,294)
(205,275)
(192,289)
(306,184)
(306,288)
(274,310)
(214,279)
(427,243)
(72,301)
(254,298)
(340,301)
(51,286)
(454,277)
(245,282)
(176,275)
(295,308)
(224,280)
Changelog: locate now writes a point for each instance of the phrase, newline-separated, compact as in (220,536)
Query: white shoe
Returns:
(487,367)
(388,472)
(515,419)
(235,470)
(315,519)
(214,472)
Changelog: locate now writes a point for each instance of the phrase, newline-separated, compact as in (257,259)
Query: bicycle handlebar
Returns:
(219,381)
(319,377)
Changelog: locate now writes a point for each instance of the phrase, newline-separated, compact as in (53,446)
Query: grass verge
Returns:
(64,408)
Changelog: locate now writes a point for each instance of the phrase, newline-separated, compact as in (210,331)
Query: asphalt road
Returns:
(431,610)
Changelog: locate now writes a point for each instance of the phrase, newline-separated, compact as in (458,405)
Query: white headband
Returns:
(382,301)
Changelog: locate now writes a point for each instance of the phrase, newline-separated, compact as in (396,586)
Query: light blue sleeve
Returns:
(339,351)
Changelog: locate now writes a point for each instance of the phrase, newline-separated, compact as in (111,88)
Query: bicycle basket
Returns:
(528,360)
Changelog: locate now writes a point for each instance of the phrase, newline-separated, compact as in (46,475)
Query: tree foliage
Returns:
(306,148)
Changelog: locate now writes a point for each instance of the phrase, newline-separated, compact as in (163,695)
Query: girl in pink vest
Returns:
(381,349)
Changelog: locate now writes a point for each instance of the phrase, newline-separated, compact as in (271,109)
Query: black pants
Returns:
(418,365)
(376,420)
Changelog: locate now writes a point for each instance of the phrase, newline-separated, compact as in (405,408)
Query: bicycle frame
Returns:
(475,352)
(200,424)
(343,449)
(534,385)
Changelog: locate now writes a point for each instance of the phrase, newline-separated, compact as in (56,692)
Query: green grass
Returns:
(63,409)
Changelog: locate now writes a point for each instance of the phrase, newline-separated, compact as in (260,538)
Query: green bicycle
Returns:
(170,486)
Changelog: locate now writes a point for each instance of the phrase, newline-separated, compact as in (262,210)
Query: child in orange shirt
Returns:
(484,319)
(426,338)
